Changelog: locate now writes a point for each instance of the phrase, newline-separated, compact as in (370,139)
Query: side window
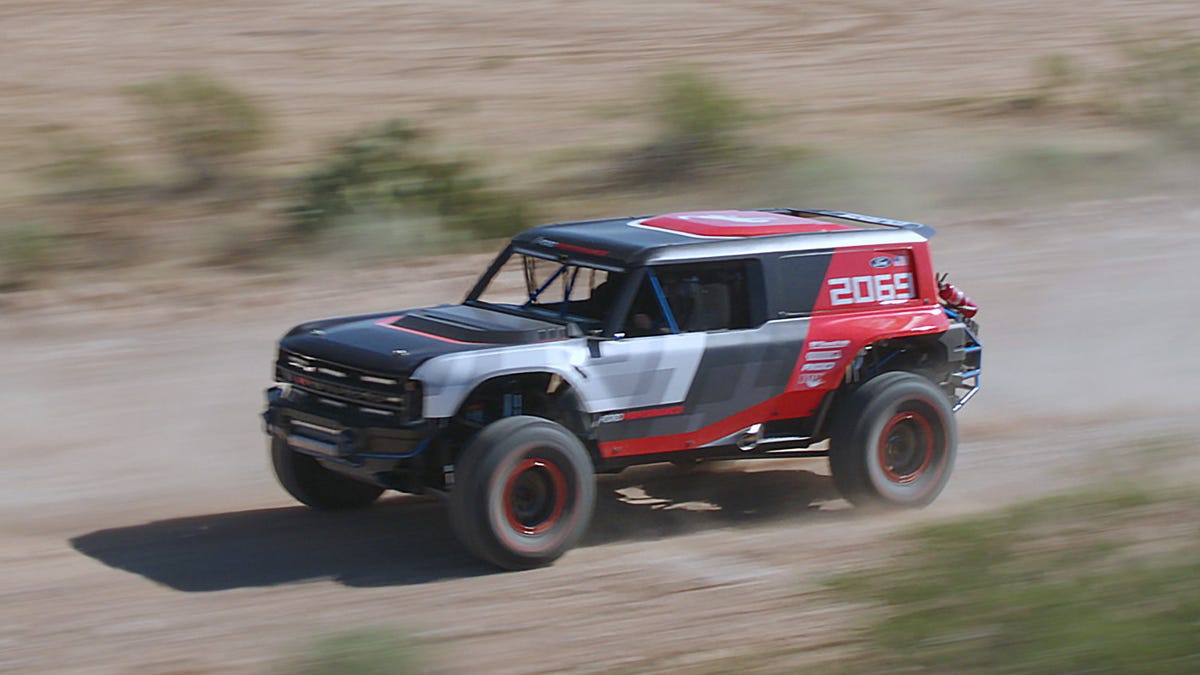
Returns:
(799,281)
(698,297)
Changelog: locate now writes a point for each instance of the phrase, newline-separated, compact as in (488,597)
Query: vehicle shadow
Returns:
(661,501)
(407,540)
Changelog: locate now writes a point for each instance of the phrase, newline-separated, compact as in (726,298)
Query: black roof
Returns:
(712,234)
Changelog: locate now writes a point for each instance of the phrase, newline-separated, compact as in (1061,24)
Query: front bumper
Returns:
(313,426)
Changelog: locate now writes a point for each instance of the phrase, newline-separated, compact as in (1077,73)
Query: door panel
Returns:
(736,380)
(640,372)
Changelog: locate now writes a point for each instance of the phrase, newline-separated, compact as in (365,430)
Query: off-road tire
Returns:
(315,486)
(523,494)
(893,442)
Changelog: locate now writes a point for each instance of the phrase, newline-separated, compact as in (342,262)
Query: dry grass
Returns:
(1093,582)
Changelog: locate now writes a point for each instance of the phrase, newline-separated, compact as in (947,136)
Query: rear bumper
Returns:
(964,350)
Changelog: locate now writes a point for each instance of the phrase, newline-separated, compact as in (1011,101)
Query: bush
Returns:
(75,162)
(1094,582)
(205,124)
(26,252)
(1055,76)
(698,125)
(694,107)
(391,171)
(359,652)
(1055,172)
(1159,85)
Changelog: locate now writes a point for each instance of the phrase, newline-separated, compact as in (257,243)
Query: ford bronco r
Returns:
(591,346)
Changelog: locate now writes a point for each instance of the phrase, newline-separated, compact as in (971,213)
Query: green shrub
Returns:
(1097,582)
(73,161)
(692,106)
(1055,76)
(26,252)
(1054,171)
(392,171)
(698,124)
(205,124)
(1159,85)
(1053,72)
(358,652)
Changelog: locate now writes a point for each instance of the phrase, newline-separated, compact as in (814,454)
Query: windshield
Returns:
(552,289)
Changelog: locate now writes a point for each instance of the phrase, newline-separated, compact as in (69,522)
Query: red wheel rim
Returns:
(535,496)
(906,447)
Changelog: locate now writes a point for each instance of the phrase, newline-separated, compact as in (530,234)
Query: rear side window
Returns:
(799,281)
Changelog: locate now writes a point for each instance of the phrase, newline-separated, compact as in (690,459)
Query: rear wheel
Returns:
(315,486)
(893,441)
(523,494)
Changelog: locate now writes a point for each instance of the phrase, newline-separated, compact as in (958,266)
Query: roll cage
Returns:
(602,313)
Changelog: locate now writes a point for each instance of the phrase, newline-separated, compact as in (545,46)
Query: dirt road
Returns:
(141,531)
(140,527)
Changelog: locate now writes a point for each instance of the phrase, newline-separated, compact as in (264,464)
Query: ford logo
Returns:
(882,261)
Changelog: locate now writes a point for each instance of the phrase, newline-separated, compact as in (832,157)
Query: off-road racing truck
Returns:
(591,346)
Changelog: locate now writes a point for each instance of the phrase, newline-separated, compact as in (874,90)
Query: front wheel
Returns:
(893,441)
(523,494)
(315,486)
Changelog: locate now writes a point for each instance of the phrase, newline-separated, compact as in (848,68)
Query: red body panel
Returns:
(389,322)
(835,339)
(868,294)
(689,441)
(738,224)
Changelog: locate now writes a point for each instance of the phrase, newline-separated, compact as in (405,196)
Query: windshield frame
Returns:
(473,298)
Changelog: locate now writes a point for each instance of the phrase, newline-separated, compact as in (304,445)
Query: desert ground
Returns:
(142,531)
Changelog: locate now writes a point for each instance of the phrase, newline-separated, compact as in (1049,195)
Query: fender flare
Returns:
(448,380)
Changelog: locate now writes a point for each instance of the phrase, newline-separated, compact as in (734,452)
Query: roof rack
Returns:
(923,230)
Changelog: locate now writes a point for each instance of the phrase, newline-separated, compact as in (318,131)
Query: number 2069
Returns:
(870,288)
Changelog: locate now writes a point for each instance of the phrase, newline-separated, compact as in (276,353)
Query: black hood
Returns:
(397,342)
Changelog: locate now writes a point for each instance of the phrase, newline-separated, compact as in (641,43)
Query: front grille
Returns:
(343,386)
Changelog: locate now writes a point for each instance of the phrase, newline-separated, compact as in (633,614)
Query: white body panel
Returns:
(625,374)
